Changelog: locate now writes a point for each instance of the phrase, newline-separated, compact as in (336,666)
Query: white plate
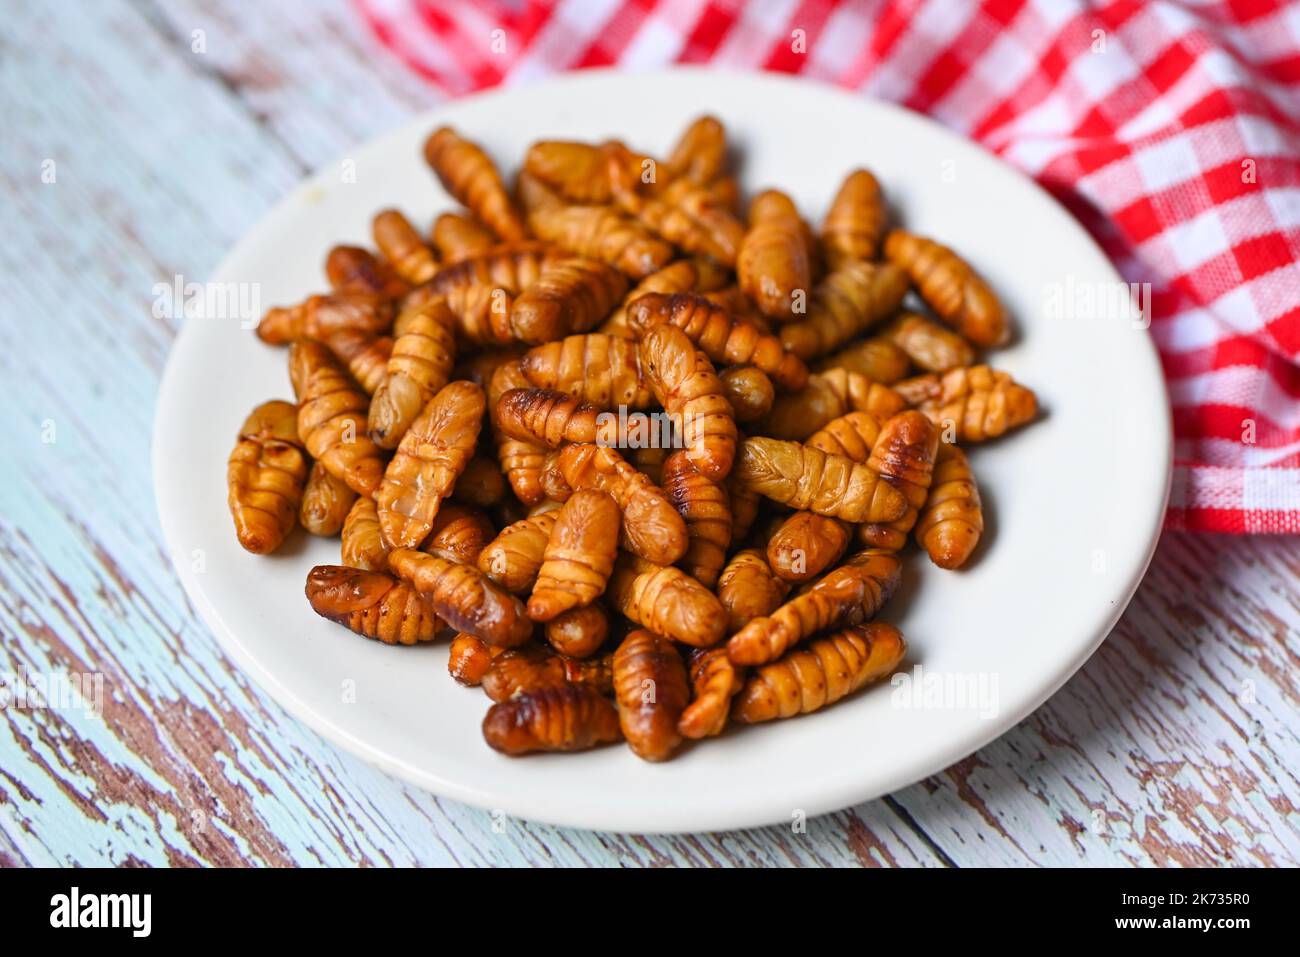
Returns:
(1074,502)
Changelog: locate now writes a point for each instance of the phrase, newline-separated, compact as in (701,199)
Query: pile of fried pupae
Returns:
(652,460)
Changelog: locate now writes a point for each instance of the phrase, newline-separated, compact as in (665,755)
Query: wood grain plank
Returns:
(1175,745)
(175,769)
(316,78)
(10,854)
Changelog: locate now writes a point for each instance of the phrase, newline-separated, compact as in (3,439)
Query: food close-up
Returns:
(629,434)
(651,456)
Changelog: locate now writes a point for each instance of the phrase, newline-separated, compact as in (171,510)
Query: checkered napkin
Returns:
(1172,130)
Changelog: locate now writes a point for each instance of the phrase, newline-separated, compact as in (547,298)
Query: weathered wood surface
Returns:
(1176,744)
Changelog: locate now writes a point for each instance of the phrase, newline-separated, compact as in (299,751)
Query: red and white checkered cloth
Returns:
(1172,130)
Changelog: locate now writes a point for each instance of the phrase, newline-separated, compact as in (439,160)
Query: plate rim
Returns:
(842,795)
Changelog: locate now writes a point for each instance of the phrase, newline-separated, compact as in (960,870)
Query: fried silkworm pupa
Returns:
(979,403)
(458,237)
(931,346)
(919,389)
(849,595)
(464,597)
(737,304)
(904,456)
(749,391)
(577,171)
(596,368)
(844,305)
(855,224)
(354,269)
(429,459)
(952,519)
(853,435)
(593,232)
(720,336)
(748,589)
(806,544)
(704,507)
(322,317)
(555,487)
(402,245)
(363,547)
(877,358)
(510,267)
(596,672)
(265,477)
(480,483)
(578,632)
(470,176)
(651,527)
(469,658)
(566,717)
(725,191)
(687,215)
(480,290)
(372,604)
(774,265)
(667,601)
(531,667)
(700,154)
(579,556)
(686,275)
(514,557)
(745,505)
(366,357)
(807,478)
(715,680)
(682,379)
(829,669)
(652,691)
(570,295)
(325,502)
(551,418)
(460,533)
(829,395)
(521,670)
(332,417)
(522,461)
(951,288)
(418,368)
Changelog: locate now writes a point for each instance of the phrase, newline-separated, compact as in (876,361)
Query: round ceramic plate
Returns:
(1073,503)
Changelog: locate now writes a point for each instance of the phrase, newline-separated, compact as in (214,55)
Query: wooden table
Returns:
(1176,744)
